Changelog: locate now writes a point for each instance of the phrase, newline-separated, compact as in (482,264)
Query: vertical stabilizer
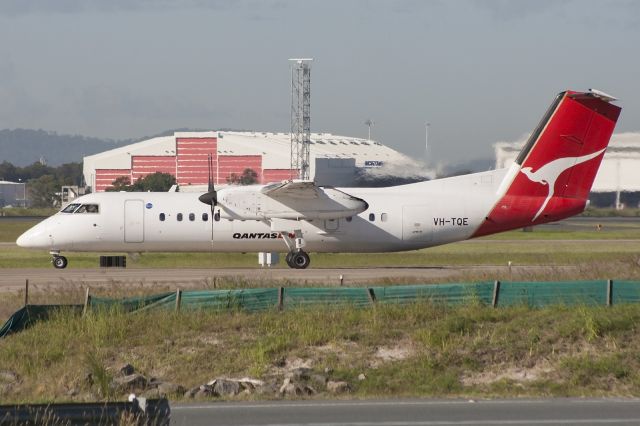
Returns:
(554,172)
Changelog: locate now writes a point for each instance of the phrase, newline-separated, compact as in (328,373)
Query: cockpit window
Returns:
(70,208)
(88,208)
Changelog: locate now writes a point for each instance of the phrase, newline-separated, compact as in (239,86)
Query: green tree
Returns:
(69,174)
(155,182)
(8,172)
(122,183)
(36,170)
(43,191)
(248,177)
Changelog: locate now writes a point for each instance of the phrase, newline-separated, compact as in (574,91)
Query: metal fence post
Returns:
(26,292)
(178,299)
(609,292)
(280,298)
(87,302)
(496,293)
(372,295)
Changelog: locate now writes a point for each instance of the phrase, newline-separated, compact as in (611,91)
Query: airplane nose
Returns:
(36,237)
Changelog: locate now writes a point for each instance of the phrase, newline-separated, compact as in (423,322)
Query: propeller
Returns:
(211,196)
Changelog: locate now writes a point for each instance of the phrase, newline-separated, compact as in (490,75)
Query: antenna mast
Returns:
(427,158)
(369,123)
(300,116)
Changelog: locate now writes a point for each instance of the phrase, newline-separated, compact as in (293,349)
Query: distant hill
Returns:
(22,147)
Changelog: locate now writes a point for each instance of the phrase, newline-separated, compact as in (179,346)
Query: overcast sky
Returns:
(478,71)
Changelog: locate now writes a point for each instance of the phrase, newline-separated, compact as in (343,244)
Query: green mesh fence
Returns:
(625,292)
(540,294)
(438,293)
(336,295)
(257,299)
(535,294)
(30,314)
(132,303)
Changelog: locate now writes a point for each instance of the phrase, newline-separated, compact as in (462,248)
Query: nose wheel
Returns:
(298,259)
(59,262)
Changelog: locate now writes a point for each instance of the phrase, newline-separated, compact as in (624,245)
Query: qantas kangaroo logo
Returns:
(549,173)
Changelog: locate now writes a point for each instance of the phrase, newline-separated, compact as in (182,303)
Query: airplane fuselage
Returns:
(550,180)
(405,217)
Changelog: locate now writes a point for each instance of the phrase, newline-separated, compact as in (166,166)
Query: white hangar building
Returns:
(334,159)
(619,171)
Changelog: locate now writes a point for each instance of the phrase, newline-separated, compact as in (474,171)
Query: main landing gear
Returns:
(59,262)
(298,259)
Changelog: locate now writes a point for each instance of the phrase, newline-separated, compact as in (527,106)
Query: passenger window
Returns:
(216,216)
(205,217)
(383,217)
(179,217)
(192,217)
(372,217)
(161,217)
(70,208)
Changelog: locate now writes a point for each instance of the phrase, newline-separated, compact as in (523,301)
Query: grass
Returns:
(10,230)
(468,350)
(577,243)
(481,252)
(29,211)
(611,212)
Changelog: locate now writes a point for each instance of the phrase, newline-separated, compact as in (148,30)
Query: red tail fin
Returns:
(555,170)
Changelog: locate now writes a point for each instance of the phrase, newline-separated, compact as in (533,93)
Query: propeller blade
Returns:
(210,163)
(211,197)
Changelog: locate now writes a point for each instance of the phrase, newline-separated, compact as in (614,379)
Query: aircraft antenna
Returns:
(300,117)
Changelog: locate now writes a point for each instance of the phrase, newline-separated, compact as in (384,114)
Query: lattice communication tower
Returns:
(300,116)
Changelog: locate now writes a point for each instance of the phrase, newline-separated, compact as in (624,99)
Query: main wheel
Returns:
(300,260)
(288,259)
(59,262)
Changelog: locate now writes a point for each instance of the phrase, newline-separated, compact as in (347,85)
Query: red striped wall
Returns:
(277,175)
(105,177)
(228,164)
(192,160)
(190,165)
(143,165)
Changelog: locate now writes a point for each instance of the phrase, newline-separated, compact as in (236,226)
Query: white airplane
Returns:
(549,181)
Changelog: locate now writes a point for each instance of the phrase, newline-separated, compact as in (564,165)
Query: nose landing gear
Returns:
(59,262)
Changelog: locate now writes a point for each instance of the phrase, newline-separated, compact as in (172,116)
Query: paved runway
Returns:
(50,278)
(413,412)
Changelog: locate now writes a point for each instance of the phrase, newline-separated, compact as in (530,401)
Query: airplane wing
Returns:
(292,189)
(306,200)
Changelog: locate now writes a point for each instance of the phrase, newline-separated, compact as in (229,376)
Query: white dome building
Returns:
(335,160)
(618,173)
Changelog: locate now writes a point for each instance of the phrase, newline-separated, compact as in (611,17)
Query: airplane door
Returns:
(416,225)
(133,221)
